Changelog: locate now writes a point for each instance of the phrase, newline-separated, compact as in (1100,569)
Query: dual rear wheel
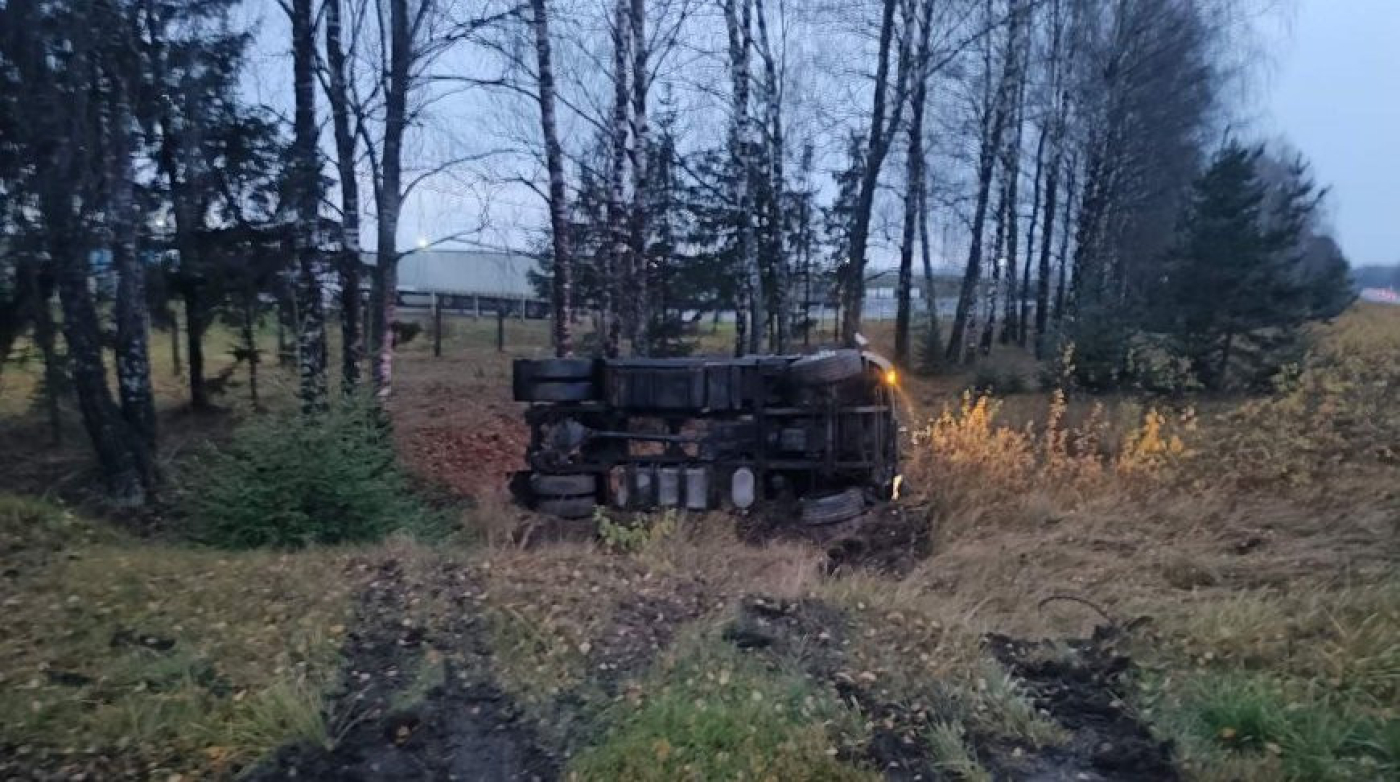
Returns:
(570,496)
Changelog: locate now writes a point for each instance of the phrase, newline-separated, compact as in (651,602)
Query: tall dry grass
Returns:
(1331,419)
(967,458)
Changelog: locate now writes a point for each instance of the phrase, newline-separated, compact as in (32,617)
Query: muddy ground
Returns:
(462,728)
(1079,692)
(419,700)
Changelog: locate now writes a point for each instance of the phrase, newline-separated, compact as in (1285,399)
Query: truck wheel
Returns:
(833,508)
(542,485)
(554,391)
(567,507)
(554,369)
(826,368)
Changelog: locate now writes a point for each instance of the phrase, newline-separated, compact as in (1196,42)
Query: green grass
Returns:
(180,659)
(708,712)
(1264,685)
(31,529)
(1002,707)
(953,756)
(1264,726)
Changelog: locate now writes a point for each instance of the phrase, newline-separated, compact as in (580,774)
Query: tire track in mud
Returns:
(1106,742)
(462,728)
(1079,691)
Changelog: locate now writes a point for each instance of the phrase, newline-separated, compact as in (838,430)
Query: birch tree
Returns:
(995,112)
(1004,259)
(337,86)
(770,140)
(121,79)
(641,266)
(306,189)
(561,288)
(1061,64)
(878,139)
(387,169)
(63,56)
(750,319)
(618,274)
(915,189)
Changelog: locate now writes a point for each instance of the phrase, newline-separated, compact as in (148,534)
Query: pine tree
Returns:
(1235,293)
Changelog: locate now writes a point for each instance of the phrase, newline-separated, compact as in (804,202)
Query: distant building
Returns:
(1386,295)
(469,281)
(477,282)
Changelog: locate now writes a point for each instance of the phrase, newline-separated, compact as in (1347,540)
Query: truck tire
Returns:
(826,368)
(554,369)
(555,391)
(567,507)
(576,485)
(833,508)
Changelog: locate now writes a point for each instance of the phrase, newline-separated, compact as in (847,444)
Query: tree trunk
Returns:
(194,345)
(1011,170)
(933,344)
(189,277)
(993,127)
(642,282)
(1092,207)
(561,291)
(311,339)
(914,195)
(972,273)
(349,262)
(773,155)
(185,210)
(906,262)
(1055,126)
(879,145)
(121,453)
(749,315)
(130,307)
(1061,280)
(248,330)
(389,193)
(617,274)
(1023,321)
(993,291)
(1042,285)
(175,367)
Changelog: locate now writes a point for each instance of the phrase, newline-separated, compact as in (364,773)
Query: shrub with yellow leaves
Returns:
(1335,410)
(971,457)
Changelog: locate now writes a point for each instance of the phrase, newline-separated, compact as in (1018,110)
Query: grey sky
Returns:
(1326,79)
(1334,93)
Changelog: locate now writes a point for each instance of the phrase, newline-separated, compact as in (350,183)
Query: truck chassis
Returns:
(709,433)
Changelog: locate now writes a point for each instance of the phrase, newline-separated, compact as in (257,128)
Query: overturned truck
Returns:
(818,432)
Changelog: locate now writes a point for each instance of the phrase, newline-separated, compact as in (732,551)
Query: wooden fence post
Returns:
(437,326)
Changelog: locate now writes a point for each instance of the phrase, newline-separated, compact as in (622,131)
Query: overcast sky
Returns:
(1326,80)
(1334,92)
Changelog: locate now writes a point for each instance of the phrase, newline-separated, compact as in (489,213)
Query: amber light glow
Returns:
(891,377)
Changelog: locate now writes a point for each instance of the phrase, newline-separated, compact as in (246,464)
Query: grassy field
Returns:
(1116,587)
